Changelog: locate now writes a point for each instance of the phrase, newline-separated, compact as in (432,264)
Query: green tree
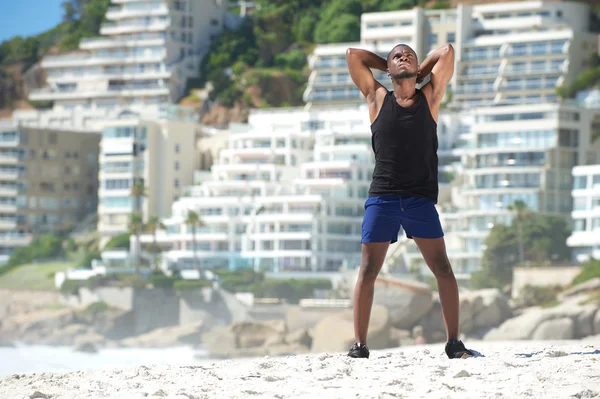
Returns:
(119,241)
(520,208)
(544,240)
(138,191)
(152,226)
(136,226)
(590,270)
(193,220)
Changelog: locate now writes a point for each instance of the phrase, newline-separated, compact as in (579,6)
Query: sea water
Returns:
(37,359)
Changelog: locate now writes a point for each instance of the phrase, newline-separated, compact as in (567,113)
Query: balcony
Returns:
(8,207)
(111,91)
(8,223)
(78,60)
(10,159)
(9,190)
(136,10)
(10,174)
(116,28)
(17,240)
(9,140)
(348,94)
(149,39)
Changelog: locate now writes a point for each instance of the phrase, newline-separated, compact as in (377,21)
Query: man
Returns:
(404,188)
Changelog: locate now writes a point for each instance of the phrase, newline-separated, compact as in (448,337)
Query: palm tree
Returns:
(136,225)
(152,226)
(193,220)
(138,191)
(520,208)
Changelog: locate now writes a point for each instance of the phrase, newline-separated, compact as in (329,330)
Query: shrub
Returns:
(544,296)
(181,285)
(590,270)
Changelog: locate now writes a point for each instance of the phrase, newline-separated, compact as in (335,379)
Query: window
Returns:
(450,37)
(117,184)
(580,182)
(176,165)
(433,38)
(176,183)
(214,22)
(579,225)
(177,148)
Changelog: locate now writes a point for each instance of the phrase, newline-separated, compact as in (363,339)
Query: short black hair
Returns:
(402,45)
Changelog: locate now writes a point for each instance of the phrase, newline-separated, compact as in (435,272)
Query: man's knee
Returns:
(442,268)
(368,272)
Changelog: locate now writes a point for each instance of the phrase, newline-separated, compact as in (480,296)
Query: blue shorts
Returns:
(384,215)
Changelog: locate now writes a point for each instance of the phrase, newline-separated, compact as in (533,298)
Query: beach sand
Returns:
(523,369)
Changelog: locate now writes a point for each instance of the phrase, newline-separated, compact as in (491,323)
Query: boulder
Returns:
(518,328)
(556,329)
(62,336)
(248,338)
(596,325)
(483,309)
(44,319)
(590,286)
(584,322)
(535,322)
(336,332)
(287,350)
(86,347)
(407,301)
(299,318)
(91,338)
(433,324)
(189,334)
(252,334)
(221,342)
(300,337)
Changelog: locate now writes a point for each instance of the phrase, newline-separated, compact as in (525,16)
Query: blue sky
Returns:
(28,17)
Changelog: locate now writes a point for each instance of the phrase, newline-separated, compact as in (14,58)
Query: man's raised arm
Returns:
(440,64)
(360,62)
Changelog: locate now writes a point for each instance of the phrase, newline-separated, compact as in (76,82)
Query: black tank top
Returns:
(405,144)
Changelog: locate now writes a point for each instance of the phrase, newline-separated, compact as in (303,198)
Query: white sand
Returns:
(523,369)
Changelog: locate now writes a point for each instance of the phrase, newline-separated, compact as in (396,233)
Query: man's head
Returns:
(402,63)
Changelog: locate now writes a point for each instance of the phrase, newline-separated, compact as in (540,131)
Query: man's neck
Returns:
(405,89)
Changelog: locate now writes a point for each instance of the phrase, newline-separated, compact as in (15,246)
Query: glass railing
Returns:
(129,23)
(137,87)
(118,39)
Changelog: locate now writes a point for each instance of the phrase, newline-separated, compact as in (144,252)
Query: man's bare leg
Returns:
(373,255)
(434,253)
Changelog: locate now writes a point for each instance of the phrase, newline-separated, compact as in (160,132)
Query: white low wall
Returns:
(542,276)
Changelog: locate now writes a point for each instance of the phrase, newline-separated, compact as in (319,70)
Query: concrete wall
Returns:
(217,306)
(160,307)
(542,276)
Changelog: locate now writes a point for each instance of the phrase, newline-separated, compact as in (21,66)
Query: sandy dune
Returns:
(523,369)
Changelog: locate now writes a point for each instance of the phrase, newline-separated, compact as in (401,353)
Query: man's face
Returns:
(402,63)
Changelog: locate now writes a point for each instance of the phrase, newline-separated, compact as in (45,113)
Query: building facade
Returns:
(505,52)
(145,54)
(160,153)
(48,182)
(585,239)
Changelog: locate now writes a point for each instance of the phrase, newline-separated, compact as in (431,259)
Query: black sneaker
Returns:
(359,351)
(455,349)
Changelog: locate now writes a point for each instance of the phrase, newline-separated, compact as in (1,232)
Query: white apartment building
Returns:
(286,195)
(520,52)
(516,52)
(585,239)
(160,152)
(145,54)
